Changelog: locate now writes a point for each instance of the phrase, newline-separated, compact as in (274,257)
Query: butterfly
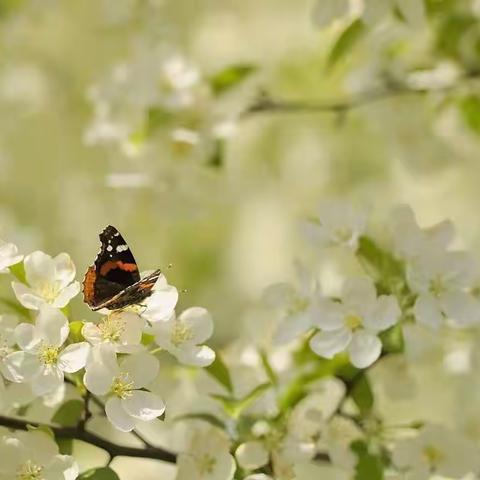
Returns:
(113,281)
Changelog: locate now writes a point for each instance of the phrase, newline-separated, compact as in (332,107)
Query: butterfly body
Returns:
(113,281)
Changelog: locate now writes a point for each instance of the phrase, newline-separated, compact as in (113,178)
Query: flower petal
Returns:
(74,357)
(25,337)
(52,326)
(64,269)
(461,307)
(27,297)
(330,315)
(327,344)
(20,366)
(427,311)
(195,356)
(47,380)
(66,295)
(199,322)
(39,269)
(384,315)
(143,405)
(252,455)
(142,368)
(9,255)
(364,348)
(118,416)
(161,304)
(359,294)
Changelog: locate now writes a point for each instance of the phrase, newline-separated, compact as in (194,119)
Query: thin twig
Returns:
(75,433)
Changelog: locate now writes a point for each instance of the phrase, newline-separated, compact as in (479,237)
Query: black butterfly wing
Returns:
(114,270)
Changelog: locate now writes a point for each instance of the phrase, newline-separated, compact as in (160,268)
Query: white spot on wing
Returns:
(109,248)
(121,248)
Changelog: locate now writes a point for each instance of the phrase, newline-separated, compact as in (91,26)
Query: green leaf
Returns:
(362,394)
(147,339)
(235,407)
(69,414)
(65,446)
(469,107)
(75,335)
(230,77)
(346,41)
(18,270)
(205,417)
(41,428)
(15,307)
(369,467)
(392,339)
(157,117)
(272,376)
(104,473)
(219,371)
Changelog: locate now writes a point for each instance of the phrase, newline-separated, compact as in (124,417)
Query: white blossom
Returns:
(123,385)
(8,255)
(121,328)
(337,223)
(435,450)
(296,302)
(207,458)
(43,359)
(444,282)
(34,456)
(182,336)
(8,323)
(49,281)
(353,324)
(161,304)
(252,455)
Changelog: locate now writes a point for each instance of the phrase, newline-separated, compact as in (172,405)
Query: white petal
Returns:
(161,303)
(47,380)
(195,356)
(20,366)
(64,269)
(143,405)
(98,379)
(142,368)
(199,322)
(39,269)
(63,467)
(25,337)
(251,455)
(74,357)
(27,297)
(118,416)
(359,294)
(327,344)
(330,315)
(134,325)
(66,295)
(52,326)
(8,323)
(364,348)
(461,307)
(292,326)
(92,333)
(9,255)
(427,311)
(384,315)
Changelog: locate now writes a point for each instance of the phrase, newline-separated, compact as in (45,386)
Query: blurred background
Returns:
(132,113)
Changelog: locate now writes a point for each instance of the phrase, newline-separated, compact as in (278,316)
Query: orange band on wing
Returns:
(111,265)
(88,285)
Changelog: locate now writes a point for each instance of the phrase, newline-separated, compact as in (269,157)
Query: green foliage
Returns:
(75,334)
(469,107)
(18,271)
(235,407)
(69,414)
(392,339)
(369,466)
(451,31)
(362,394)
(65,446)
(104,473)
(346,41)
(230,77)
(15,307)
(219,371)
(205,417)
(147,339)
(41,428)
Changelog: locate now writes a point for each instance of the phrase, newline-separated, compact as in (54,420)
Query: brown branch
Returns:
(114,450)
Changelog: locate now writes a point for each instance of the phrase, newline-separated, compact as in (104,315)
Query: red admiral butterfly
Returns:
(113,281)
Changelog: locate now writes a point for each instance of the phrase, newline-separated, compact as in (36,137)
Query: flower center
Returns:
(433,456)
(181,333)
(206,464)
(437,286)
(4,348)
(353,322)
(112,328)
(49,354)
(298,305)
(49,291)
(30,471)
(122,386)
(342,235)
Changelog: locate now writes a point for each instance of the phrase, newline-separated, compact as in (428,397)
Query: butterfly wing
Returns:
(114,270)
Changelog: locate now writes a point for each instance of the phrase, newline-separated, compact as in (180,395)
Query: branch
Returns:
(74,433)
(267,104)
